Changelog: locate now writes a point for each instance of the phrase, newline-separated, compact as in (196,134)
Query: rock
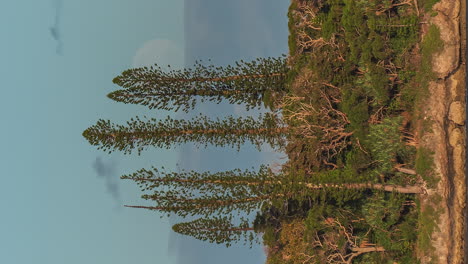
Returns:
(455,137)
(448,8)
(447,20)
(457,113)
(459,162)
(456,82)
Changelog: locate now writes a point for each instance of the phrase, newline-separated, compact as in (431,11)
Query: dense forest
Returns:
(343,106)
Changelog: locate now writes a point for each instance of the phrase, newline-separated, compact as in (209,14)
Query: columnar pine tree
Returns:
(219,230)
(193,193)
(231,131)
(247,82)
(220,196)
(193,182)
(205,205)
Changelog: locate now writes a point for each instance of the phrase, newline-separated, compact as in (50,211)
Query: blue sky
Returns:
(225,31)
(55,207)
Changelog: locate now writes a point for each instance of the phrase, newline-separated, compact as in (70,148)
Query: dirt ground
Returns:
(446,109)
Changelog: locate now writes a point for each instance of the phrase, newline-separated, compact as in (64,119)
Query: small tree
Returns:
(336,239)
(219,230)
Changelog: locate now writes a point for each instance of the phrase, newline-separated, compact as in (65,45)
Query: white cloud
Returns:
(161,51)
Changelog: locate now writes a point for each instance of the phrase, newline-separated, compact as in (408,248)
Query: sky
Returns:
(226,31)
(61,198)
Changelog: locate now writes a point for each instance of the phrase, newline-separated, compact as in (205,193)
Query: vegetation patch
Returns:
(428,4)
(425,167)
(427,225)
(343,108)
(430,45)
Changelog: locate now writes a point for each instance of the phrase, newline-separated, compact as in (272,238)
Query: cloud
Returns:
(161,51)
(226,31)
(55,28)
(108,172)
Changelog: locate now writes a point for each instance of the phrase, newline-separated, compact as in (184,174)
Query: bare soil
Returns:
(445,107)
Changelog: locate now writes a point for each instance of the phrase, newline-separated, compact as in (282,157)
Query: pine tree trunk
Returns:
(244,229)
(191,203)
(412,189)
(362,250)
(194,92)
(274,131)
(199,181)
(227,78)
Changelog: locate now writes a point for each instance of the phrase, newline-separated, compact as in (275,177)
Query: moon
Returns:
(159,51)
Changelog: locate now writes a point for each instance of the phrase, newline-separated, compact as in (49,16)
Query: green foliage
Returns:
(383,211)
(403,37)
(192,193)
(194,182)
(300,62)
(339,178)
(367,55)
(425,166)
(427,225)
(139,134)
(316,215)
(419,77)
(244,83)
(359,75)
(270,237)
(219,230)
(430,45)
(428,4)
(356,107)
(385,143)
(375,258)
(392,219)
(292,43)
(340,230)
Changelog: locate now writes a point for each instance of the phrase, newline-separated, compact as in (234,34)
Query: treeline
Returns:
(339,109)
(353,86)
